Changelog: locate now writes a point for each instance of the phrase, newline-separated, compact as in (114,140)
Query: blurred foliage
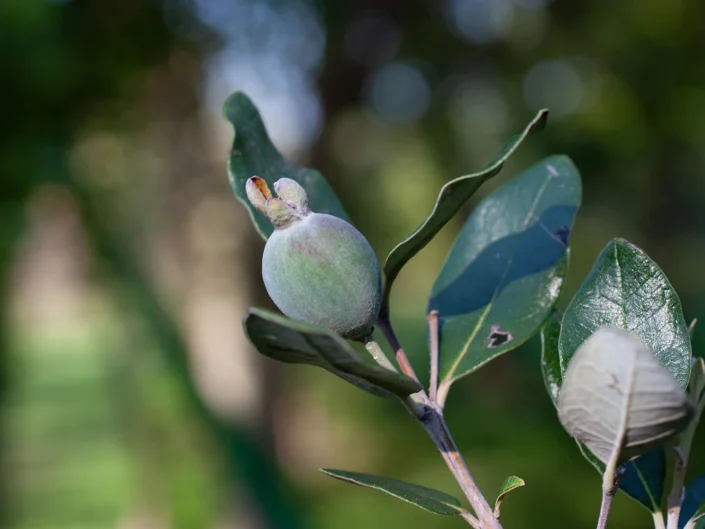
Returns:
(108,117)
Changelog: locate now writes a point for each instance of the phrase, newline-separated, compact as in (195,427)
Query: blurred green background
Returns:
(129,397)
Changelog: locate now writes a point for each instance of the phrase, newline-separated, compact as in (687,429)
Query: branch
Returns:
(432,319)
(433,422)
(399,353)
(675,497)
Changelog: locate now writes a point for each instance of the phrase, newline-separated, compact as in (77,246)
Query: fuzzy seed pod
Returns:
(317,268)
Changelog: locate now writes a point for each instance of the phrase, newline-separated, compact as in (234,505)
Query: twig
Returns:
(472,521)
(682,453)
(675,497)
(434,424)
(607,497)
(432,319)
(399,353)
(658,520)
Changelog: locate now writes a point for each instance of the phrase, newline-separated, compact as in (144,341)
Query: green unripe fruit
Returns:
(317,268)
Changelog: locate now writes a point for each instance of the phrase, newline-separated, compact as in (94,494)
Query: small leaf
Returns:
(550,360)
(297,343)
(510,483)
(450,199)
(693,508)
(627,290)
(618,400)
(253,154)
(506,268)
(428,499)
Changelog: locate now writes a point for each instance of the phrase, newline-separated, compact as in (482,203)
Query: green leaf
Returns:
(253,154)
(428,499)
(506,268)
(645,476)
(627,290)
(696,385)
(550,360)
(450,199)
(510,483)
(297,343)
(643,479)
(618,400)
(693,507)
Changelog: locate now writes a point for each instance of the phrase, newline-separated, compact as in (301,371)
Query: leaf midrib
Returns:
(481,321)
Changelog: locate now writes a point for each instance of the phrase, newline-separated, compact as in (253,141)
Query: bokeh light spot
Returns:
(399,92)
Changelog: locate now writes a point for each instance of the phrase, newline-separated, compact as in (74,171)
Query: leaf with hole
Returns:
(450,199)
(618,400)
(506,268)
(253,154)
(693,507)
(428,499)
(511,483)
(627,290)
(297,343)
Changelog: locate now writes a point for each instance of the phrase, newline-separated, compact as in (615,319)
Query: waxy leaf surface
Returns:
(450,199)
(505,271)
(627,290)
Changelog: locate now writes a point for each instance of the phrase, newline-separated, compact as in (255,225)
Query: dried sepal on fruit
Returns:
(317,268)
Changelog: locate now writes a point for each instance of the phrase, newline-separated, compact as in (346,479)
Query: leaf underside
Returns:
(297,343)
(450,199)
(253,154)
(505,271)
(644,477)
(428,499)
(627,290)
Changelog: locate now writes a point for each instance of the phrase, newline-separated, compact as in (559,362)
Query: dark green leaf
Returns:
(450,199)
(510,483)
(253,154)
(643,479)
(627,290)
(506,268)
(428,499)
(693,507)
(297,343)
(550,360)
(696,385)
